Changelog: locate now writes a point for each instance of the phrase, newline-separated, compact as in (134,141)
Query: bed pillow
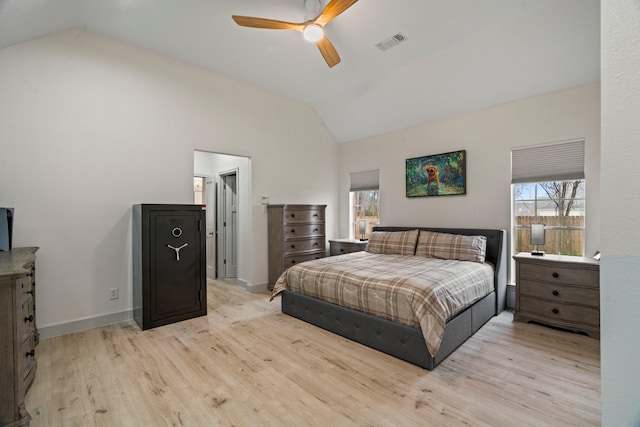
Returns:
(451,246)
(393,242)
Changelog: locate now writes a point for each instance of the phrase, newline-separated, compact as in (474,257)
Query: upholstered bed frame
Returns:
(401,341)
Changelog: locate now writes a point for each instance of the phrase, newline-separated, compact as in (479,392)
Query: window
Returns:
(364,202)
(549,188)
(365,206)
(559,205)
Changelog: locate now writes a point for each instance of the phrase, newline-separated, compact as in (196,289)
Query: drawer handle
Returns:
(293,215)
(555,311)
(341,249)
(315,215)
(293,231)
(293,261)
(29,319)
(315,244)
(555,275)
(555,293)
(293,246)
(30,353)
(315,229)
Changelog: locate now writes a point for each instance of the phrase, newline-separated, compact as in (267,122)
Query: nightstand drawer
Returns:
(340,247)
(560,293)
(559,274)
(555,312)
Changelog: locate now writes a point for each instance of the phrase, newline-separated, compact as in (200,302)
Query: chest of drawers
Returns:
(18,333)
(296,234)
(560,291)
(345,246)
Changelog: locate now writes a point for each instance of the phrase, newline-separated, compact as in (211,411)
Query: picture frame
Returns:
(442,174)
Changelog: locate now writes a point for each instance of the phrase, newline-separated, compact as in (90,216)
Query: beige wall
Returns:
(89,126)
(488,136)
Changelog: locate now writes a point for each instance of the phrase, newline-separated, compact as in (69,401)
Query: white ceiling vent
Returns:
(391,42)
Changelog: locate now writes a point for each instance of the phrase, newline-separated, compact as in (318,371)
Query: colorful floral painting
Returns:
(437,175)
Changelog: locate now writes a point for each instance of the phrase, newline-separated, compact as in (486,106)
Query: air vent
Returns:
(391,42)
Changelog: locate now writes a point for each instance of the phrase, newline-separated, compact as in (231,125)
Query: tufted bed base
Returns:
(401,341)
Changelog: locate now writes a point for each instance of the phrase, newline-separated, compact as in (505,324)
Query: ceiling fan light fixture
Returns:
(313,32)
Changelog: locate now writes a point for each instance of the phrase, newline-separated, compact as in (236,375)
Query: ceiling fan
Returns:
(311,28)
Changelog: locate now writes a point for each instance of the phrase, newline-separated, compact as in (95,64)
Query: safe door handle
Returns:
(178,250)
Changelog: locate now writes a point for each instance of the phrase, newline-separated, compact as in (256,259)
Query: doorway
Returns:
(231,243)
(228,224)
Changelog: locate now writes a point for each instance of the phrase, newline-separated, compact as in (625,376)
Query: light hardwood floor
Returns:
(247,364)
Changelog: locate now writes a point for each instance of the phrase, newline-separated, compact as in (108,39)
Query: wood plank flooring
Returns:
(247,364)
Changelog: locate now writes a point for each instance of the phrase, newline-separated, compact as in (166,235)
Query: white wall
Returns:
(488,136)
(90,126)
(620,264)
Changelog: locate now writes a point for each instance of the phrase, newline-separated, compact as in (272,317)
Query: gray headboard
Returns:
(496,253)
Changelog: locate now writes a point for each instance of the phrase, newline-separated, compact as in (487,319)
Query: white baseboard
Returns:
(56,330)
(248,286)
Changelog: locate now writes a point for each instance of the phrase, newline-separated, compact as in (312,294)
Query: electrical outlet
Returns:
(114,293)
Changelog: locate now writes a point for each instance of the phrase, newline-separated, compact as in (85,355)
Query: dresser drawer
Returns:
(26,317)
(560,293)
(303,216)
(293,246)
(24,286)
(559,274)
(290,261)
(303,230)
(553,311)
(27,359)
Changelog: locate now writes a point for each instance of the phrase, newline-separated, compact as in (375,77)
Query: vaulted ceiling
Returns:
(458,56)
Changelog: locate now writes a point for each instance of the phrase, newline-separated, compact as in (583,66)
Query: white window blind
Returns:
(365,180)
(550,162)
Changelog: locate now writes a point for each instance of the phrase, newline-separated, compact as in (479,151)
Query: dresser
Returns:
(169,264)
(345,246)
(296,234)
(18,333)
(561,291)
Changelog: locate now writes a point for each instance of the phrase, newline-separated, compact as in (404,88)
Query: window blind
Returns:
(550,162)
(365,180)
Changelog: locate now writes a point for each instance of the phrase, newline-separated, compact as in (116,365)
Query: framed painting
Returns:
(437,175)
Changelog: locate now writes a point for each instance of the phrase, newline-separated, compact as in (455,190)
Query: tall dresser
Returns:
(18,333)
(296,234)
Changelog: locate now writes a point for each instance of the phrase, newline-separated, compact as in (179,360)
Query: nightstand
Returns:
(561,291)
(345,246)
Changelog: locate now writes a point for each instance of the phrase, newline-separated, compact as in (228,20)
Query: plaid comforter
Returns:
(412,290)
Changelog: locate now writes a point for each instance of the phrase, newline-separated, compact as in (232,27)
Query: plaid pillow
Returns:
(451,246)
(393,242)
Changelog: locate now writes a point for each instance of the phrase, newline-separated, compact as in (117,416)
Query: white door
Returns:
(229,231)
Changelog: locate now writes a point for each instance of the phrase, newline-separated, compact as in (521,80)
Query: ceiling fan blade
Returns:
(333,9)
(329,53)
(271,24)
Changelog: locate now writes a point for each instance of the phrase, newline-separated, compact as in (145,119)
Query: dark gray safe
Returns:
(169,264)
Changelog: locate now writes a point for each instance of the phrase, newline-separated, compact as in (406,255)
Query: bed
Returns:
(409,339)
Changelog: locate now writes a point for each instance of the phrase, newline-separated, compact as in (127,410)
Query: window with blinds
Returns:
(549,188)
(364,201)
